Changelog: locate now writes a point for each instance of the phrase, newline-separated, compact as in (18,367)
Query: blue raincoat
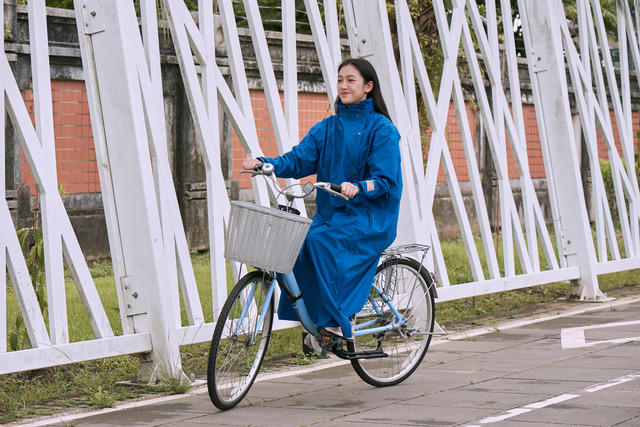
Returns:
(337,263)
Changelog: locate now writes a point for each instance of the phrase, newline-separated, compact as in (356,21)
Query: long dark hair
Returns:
(368,73)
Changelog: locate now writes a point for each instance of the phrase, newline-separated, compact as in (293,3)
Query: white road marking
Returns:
(552,401)
(613,341)
(574,337)
(620,380)
(510,413)
(524,409)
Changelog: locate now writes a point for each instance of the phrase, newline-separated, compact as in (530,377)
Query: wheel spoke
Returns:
(237,346)
(406,285)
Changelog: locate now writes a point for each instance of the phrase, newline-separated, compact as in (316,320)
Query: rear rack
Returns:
(399,251)
(419,253)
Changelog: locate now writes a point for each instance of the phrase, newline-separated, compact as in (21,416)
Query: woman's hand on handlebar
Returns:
(256,167)
(349,190)
(250,164)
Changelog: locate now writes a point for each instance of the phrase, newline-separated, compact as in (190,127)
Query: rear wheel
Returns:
(408,285)
(239,342)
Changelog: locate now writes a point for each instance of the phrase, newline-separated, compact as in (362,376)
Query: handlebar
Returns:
(260,169)
(330,188)
(266,169)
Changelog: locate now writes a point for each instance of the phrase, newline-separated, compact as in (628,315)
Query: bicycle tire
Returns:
(394,276)
(234,357)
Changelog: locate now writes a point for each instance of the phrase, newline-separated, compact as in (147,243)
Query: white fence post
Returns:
(3,259)
(370,38)
(543,44)
(111,65)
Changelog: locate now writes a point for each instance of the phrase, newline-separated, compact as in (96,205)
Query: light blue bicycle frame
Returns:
(289,281)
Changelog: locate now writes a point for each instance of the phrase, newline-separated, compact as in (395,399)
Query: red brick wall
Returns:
(534,149)
(75,155)
(453,136)
(312,107)
(602,146)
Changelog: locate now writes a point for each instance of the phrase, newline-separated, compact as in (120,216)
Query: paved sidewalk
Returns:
(520,376)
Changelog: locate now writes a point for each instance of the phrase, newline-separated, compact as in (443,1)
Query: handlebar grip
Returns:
(336,188)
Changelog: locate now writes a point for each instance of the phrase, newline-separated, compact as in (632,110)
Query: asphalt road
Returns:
(582,368)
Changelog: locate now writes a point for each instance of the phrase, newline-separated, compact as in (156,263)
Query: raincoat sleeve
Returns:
(302,160)
(383,164)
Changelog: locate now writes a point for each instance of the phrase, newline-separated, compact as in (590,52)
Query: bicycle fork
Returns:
(247,306)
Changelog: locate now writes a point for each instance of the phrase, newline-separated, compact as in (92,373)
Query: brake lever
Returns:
(261,169)
(327,187)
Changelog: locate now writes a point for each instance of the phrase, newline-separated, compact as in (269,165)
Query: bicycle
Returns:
(391,333)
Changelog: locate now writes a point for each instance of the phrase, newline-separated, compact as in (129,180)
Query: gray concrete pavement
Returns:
(520,376)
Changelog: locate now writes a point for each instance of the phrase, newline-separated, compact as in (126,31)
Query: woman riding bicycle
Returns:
(359,148)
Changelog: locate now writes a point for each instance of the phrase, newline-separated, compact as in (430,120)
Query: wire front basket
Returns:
(264,237)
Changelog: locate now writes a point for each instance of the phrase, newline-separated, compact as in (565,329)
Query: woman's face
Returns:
(351,86)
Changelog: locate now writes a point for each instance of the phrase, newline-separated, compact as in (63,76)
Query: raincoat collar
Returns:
(362,107)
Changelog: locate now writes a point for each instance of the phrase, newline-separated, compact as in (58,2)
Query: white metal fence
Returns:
(150,256)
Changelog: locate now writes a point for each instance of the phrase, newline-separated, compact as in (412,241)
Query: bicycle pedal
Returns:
(350,355)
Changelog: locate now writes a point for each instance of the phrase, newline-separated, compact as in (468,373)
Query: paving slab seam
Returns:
(553,400)
(326,365)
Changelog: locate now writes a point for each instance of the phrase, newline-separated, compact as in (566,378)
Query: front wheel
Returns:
(240,340)
(408,285)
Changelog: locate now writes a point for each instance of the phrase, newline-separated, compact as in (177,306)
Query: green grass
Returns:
(45,391)
(94,383)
